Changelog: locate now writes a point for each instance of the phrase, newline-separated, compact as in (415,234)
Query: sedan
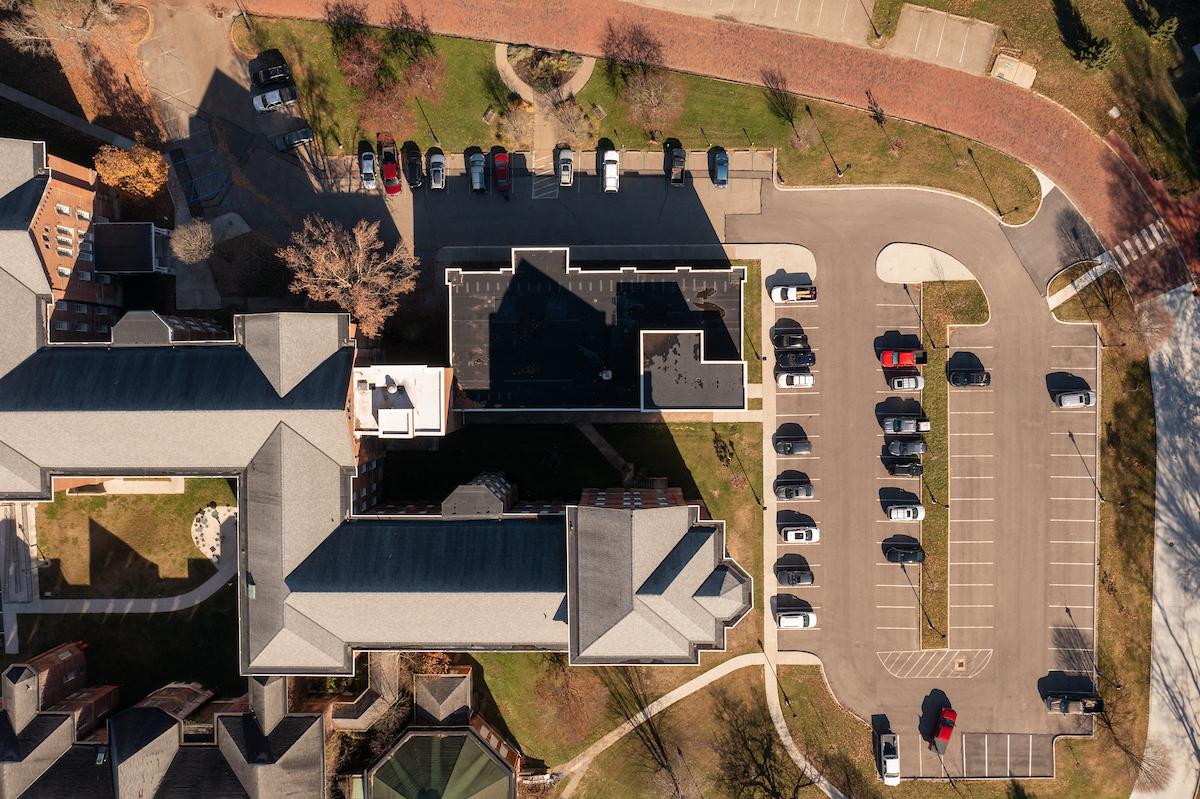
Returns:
(1076,399)
(804,534)
(437,172)
(790,340)
(904,552)
(794,575)
(970,378)
(500,173)
(789,294)
(793,489)
(793,445)
(566,167)
(721,169)
(906,513)
(908,383)
(907,447)
(796,360)
(275,98)
(366,167)
(941,739)
(795,380)
(290,141)
(906,468)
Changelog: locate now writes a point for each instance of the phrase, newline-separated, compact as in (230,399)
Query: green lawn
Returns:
(752,321)
(454,121)
(141,652)
(736,116)
(126,545)
(1141,80)
(942,303)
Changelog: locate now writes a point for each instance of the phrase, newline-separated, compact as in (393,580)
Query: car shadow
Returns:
(789,430)
(1058,382)
(964,362)
(1061,682)
(792,476)
(791,560)
(890,495)
(896,340)
(781,277)
(788,602)
(790,518)
(898,406)
(931,707)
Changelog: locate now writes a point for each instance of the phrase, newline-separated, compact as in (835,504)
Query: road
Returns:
(1021,601)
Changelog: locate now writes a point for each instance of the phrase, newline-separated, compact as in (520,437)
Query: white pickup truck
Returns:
(905,425)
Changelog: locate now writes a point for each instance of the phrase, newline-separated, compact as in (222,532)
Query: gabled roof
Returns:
(142,743)
(442,699)
(288,346)
(288,762)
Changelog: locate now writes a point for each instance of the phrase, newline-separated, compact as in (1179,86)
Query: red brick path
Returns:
(1012,120)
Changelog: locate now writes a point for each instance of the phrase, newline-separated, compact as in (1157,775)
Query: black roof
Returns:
(123,246)
(200,772)
(73,775)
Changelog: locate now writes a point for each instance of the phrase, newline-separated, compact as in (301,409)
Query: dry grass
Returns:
(126,545)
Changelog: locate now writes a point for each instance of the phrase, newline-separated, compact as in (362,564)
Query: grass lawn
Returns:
(718,743)
(126,545)
(331,105)
(1064,278)
(141,652)
(736,116)
(1145,78)
(752,321)
(942,303)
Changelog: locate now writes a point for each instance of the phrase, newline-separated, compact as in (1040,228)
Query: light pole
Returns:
(782,690)
(836,168)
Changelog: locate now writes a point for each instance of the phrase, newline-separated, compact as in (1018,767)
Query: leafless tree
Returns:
(574,123)
(656,97)
(32,27)
(1155,323)
(349,268)
(780,101)
(192,242)
(347,21)
(628,696)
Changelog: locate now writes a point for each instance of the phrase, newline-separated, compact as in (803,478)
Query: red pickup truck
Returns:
(892,359)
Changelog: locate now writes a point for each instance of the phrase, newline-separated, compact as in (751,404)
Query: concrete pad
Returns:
(940,38)
(774,258)
(917,263)
(228,226)
(839,20)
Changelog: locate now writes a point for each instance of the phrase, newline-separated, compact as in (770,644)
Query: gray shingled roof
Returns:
(442,699)
(73,775)
(142,742)
(23,181)
(642,585)
(288,762)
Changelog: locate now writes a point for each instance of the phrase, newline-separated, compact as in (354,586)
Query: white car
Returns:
(809,534)
(612,171)
(1076,399)
(889,758)
(437,172)
(906,513)
(908,383)
(789,294)
(366,166)
(796,620)
(795,380)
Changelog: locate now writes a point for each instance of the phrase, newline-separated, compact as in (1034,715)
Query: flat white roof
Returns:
(399,401)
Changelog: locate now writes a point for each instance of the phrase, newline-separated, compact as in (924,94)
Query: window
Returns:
(85,256)
(82,214)
(80,308)
(65,240)
(66,252)
(101,328)
(64,271)
(63,230)
(65,210)
(61,326)
(85,276)
(81,327)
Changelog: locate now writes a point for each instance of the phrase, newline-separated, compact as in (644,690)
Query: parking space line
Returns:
(1089,521)
(1072,563)
(971,542)
(971,585)
(1070,585)
(972,606)
(1077,607)
(973,563)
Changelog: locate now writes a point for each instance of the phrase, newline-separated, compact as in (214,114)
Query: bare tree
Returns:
(192,242)
(628,696)
(750,754)
(347,21)
(656,97)
(780,102)
(576,125)
(32,27)
(1155,323)
(348,268)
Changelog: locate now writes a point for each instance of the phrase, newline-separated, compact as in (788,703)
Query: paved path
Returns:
(601,443)
(1008,118)
(65,118)
(1080,283)
(578,765)
(1175,636)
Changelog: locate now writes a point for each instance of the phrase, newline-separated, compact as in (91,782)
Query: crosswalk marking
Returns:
(545,182)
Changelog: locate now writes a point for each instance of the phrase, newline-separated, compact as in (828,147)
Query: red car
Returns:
(391,167)
(945,729)
(892,359)
(500,172)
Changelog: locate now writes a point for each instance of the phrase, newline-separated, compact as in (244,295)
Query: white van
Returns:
(1076,399)
(612,172)
(796,619)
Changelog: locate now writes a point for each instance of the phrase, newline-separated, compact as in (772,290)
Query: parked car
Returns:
(366,168)
(269,76)
(796,620)
(1075,399)
(500,173)
(945,728)
(678,164)
(796,359)
(907,447)
(904,552)
(800,534)
(789,294)
(905,425)
(793,445)
(721,169)
(292,140)
(391,167)
(895,359)
(911,468)
(795,380)
(477,167)
(889,758)
(906,513)
(566,167)
(789,340)
(908,383)
(275,98)
(611,172)
(1074,704)
(793,489)
(794,575)
(437,172)
(964,378)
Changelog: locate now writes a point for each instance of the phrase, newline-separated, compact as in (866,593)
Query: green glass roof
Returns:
(435,765)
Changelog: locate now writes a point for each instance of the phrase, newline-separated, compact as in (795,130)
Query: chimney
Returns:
(268,700)
(20,696)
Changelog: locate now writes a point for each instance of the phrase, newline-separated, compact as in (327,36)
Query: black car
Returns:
(906,468)
(413,168)
(793,446)
(290,141)
(790,340)
(904,552)
(793,489)
(277,73)
(796,360)
(970,378)
(794,575)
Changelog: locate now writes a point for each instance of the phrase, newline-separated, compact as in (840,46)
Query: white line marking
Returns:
(1070,585)
(1079,607)
(972,606)
(1070,563)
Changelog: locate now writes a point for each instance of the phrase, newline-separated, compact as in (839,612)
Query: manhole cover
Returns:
(960,664)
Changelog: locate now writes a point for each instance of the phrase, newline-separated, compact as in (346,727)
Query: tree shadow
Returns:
(750,756)
(1074,30)
(128,113)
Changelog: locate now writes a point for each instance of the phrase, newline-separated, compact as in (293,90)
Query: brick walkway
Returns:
(1012,120)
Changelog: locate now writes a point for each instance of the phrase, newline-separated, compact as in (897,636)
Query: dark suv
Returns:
(970,378)
(789,340)
(796,360)
(276,73)
(413,168)
(904,552)
(906,468)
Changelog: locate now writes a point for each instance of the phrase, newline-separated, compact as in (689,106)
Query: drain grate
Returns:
(960,664)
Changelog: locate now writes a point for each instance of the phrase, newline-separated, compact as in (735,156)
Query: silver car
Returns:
(366,167)
(478,171)
(906,513)
(437,172)
(566,167)
(904,448)
(1076,399)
